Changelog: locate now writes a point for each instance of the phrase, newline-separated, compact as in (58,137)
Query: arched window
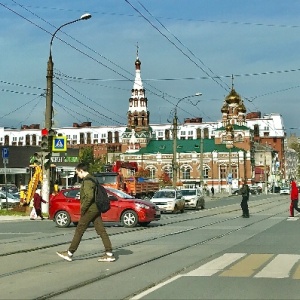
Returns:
(152,172)
(168,170)
(186,172)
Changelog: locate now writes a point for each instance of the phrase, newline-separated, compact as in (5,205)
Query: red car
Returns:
(64,208)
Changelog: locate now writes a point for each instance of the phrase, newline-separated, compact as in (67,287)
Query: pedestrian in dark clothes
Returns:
(245,191)
(37,203)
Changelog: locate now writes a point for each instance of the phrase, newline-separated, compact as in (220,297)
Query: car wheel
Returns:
(129,218)
(197,205)
(75,223)
(62,219)
(144,224)
(182,210)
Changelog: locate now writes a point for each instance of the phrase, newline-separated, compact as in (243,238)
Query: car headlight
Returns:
(141,205)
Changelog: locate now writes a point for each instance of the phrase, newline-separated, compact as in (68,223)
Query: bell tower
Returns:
(138,131)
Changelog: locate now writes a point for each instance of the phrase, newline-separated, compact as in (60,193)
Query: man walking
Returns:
(245,197)
(89,213)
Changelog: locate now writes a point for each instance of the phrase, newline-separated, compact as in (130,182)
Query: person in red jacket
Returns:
(37,203)
(294,198)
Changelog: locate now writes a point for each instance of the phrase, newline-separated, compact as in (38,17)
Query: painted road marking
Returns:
(279,267)
(248,266)
(216,265)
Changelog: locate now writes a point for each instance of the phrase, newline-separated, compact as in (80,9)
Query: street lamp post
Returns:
(229,146)
(175,128)
(49,111)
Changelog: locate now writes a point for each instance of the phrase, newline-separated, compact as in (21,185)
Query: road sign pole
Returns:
(45,186)
(5,155)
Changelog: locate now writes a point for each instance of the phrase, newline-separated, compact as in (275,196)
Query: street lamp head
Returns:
(85,17)
(198,94)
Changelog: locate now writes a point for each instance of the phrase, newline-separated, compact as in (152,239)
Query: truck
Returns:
(136,186)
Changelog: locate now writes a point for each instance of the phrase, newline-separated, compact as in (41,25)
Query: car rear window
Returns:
(188,192)
(72,193)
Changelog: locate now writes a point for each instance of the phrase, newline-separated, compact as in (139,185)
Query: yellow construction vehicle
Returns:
(35,180)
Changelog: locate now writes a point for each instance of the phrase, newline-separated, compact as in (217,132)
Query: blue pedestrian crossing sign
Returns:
(59,144)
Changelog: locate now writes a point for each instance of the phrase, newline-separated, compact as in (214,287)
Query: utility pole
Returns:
(265,172)
(174,163)
(201,158)
(46,154)
(174,133)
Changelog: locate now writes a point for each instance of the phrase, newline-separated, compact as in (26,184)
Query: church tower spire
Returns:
(138,114)
(138,132)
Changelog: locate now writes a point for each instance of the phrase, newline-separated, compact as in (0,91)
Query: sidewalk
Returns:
(13,218)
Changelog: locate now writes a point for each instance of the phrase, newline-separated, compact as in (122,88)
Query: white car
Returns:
(169,200)
(11,199)
(194,198)
(284,191)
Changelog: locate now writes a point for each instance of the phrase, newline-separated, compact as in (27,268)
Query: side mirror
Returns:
(112,198)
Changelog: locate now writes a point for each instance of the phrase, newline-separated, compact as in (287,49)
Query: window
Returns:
(103,135)
(14,139)
(205,172)
(68,136)
(223,172)
(74,137)
(234,172)
(182,133)
(160,134)
(151,172)
(169,171)
(186,173)
(190,132)
(95,135)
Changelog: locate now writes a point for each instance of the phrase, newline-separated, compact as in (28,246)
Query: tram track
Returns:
(169,220)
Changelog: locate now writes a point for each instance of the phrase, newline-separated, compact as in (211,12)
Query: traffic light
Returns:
(45,145)
(37,158)
(47,160)
(47,139)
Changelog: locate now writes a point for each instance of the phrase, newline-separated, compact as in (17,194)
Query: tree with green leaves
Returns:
(86,155)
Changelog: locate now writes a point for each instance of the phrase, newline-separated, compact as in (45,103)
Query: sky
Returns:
(185,47)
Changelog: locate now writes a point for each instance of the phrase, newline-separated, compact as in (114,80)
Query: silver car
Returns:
(194,198)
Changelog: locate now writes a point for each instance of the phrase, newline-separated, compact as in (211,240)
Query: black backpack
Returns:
(101,197)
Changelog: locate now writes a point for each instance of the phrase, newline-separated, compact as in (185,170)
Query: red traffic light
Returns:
(45,131)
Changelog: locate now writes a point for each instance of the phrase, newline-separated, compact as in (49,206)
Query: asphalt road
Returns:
(209,254)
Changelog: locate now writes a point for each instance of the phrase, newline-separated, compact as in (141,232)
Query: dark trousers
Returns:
(294,205)
(244,206)
(39,213)
(83,225)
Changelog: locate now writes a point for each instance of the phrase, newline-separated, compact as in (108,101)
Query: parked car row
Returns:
(64,207)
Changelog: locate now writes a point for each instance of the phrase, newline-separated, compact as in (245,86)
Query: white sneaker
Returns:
(107,257)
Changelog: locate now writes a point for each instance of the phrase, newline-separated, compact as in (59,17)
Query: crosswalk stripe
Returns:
(279,267)
(247,266)
(216,265)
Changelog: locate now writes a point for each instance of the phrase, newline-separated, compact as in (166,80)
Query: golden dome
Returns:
(241,108)
(229,128)
(233,97)
(224,108)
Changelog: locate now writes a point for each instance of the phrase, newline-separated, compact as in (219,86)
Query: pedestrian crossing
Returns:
(251,265)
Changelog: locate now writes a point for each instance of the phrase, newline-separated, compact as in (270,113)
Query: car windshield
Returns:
(9,195)
(164,194)
(119,193)
(106,178)
(188,192)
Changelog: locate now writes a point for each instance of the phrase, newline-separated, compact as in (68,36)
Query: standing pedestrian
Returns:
(294,195)
(88,213)
(245,197)
(212,191)
(37,203)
